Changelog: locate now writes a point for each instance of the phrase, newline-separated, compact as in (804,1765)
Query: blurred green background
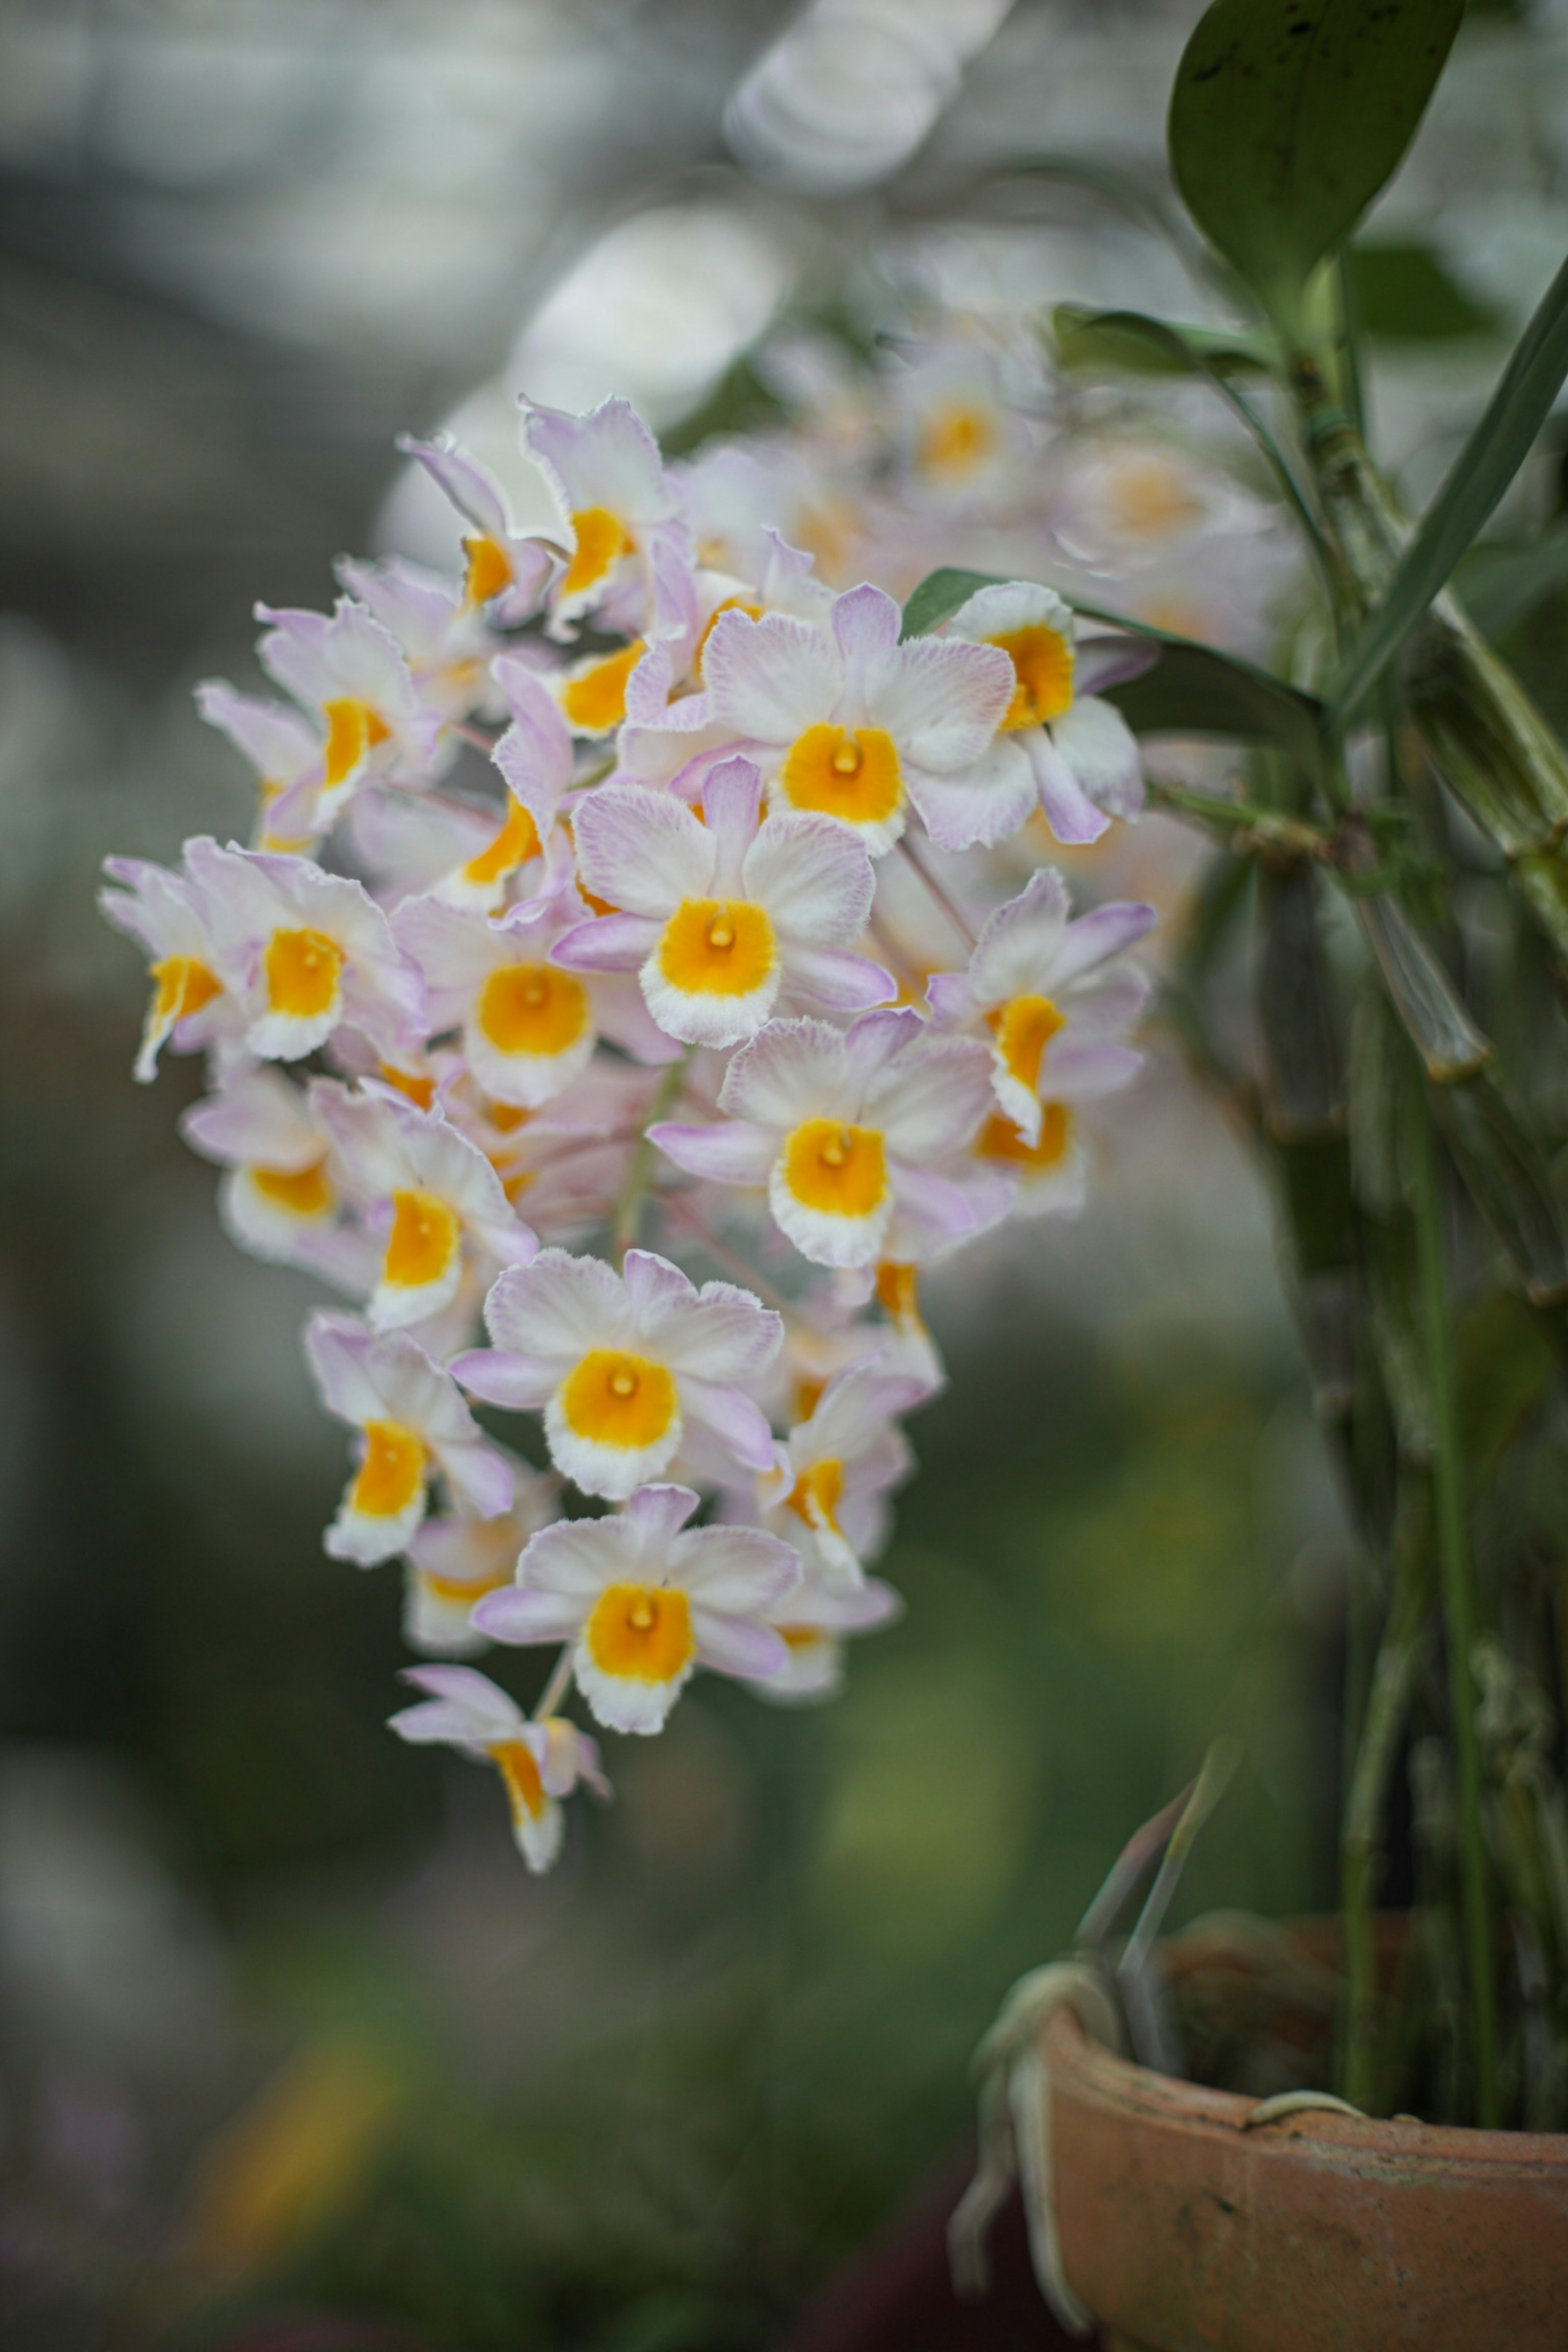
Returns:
(286,2029)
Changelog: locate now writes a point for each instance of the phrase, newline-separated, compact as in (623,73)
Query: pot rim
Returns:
(1403,2146)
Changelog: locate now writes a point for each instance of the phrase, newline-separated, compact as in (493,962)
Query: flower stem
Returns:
(639,1170)
(554,1690)
(1388,1700)
(935,890)
(1458,1613)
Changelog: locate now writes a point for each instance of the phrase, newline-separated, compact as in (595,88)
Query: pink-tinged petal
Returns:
(1111,661)
(946,701)
(772,678)
(447,1724)
(980,806)
(656,1290)
(950,999)
(814,877)
(464,1687)
(732,1418)
(854,1409)
(337,1349)
(871,1044)
(933,1097)
(856,1611)
(834,977)
(624,1020)
(1080,1070)
(279,744)
(723,1333)
(257,1119)
(607,943)
(931,1200)
(789,1071)
(536,749)
(730,1153)
(607,458)
(739,1569)
(577,1557)
(471,488)
(1101,750)
(479,1476)
(514,1615)
(642,851)
(732,803)
(559,1305)
(1070,814)
(1103,933)
(733,1645)
(500,1376)
(1106,1002)
(654,1516)
(454,949)
(1020,942)
(866,623)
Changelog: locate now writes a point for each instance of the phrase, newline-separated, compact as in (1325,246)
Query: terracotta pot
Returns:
(1183,2230)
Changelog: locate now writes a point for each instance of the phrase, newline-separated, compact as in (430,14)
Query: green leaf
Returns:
(1288,116)
(939,596)
(1193,688)
(1404,294)
(1501,581)
(1475,481)
(1132,344)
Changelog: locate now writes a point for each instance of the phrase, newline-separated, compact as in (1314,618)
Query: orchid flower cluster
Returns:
(636,886)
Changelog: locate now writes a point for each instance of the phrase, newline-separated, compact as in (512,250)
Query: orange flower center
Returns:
(839,1169)
(640,1631)
(303,969)
(716,947)
(616,1399)
(854,776)
(1043,661)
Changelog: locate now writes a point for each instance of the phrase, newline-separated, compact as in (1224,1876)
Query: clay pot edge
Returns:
(1087,2068)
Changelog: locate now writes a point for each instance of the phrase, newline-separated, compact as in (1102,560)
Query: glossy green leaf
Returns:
(1192,689)
(1288,116)
(1475,481)
(1132,344)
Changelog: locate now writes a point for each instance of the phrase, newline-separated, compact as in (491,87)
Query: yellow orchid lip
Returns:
(354,731)
(516,841)
(602,540)
(1022,1028)
(489,569)
(424,1238)
(853,774)
(836,1168)
(596,700)
(640,1632)
(1044,662)
(303,970)
(616,1399)
(181,985)
(392,1475)
(532,1008)
(1000,1138)
(304,1192)
(515,1761)
(718,947)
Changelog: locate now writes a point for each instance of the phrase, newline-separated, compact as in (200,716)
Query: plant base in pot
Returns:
(1186,2219)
